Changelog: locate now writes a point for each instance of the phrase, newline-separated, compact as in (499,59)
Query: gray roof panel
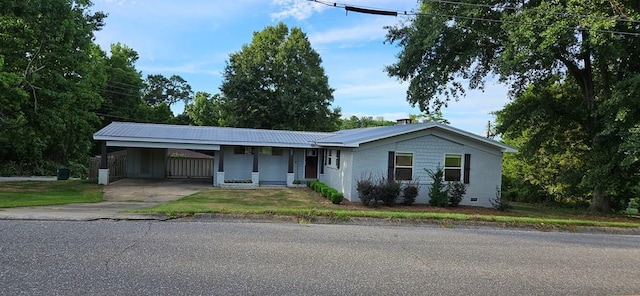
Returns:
(130,131)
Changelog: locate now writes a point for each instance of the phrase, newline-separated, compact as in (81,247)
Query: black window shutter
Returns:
(391,166)
(323,160)
(338,159)
(467,167)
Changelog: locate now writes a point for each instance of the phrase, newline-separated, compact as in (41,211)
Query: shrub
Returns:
(389,191)
(409,193)
(456,190)
(337,197)
(438,195)
(499,203)
(367,191)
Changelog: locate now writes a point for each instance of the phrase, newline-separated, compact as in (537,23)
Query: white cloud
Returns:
(368,31)
(298,9)
(304,9)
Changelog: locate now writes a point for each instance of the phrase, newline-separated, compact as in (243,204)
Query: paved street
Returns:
(221,258)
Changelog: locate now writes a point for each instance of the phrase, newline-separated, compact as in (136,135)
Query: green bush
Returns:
(409,193)
(389,190)
(312,184)
(337,197)
(78,170)
(367,192)
(438,195)
(499,203)
(456,190)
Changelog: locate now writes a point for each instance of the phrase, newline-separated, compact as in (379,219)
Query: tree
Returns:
(277,82)
(432,116)
(49,56)
(122,95)
(547,130)
(590,42)
(205,110)
(159,89)
(364,121)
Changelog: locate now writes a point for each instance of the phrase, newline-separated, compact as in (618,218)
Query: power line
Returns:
(388,12)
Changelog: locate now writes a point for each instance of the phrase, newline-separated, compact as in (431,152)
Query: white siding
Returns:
(341,178)
(429,149)
(273,168)
(236,166)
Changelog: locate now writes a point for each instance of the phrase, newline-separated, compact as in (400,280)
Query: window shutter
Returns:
(322,160)
(338,159)
(391,164)
(467,167)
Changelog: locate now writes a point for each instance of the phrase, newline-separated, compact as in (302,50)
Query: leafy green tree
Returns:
(122,95)
(547,129)
(438,192)
(159,89)
(364,121)
(593,43)
(431,116)
(205,110)
(49,56)
(277,82)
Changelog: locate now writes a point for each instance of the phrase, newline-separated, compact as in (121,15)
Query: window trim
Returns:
(333,158)
(459,168)
(396,166)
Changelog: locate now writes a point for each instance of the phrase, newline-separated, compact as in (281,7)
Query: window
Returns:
(452,167)
(333,158)
(270,151)
(404,166)
(242,150)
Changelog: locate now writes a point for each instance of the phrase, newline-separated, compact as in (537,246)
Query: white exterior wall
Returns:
(272,168)
(341,178)
(429,149)
(236,166)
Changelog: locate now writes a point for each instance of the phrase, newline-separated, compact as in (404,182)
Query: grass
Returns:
(308,206)
(39,193)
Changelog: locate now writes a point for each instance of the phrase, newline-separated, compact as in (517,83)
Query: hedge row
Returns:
(331,194)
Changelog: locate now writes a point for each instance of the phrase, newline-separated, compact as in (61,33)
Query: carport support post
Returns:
(103,172)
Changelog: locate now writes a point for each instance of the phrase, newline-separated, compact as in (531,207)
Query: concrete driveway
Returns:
(153,191)
(119,197)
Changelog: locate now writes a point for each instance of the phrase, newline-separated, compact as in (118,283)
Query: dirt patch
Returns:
(144,190)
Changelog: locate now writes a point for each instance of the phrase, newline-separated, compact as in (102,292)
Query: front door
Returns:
(311,164)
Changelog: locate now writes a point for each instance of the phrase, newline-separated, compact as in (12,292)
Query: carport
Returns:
(147,148)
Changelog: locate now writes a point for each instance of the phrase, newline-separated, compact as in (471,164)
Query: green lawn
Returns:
(307,205)
(43,193)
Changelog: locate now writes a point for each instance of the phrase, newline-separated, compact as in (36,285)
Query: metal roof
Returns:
(165,133)
(356,137)
(208,135)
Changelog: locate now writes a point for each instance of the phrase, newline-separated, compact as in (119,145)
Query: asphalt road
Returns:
(233,258)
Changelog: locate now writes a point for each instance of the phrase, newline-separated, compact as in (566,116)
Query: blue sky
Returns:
(193,39)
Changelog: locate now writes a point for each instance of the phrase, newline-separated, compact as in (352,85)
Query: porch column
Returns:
(290,174)
(220,174)
(103,172)
(255,174)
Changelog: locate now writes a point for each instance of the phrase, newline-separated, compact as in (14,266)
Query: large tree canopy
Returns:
(592,43)
(277,82)
(50,81)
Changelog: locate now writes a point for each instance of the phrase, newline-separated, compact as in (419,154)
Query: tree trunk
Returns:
(599,202)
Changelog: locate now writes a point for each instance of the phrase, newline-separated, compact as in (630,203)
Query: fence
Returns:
(186,167)
(117,167)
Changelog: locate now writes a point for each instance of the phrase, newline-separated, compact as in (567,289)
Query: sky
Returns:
(194,38)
